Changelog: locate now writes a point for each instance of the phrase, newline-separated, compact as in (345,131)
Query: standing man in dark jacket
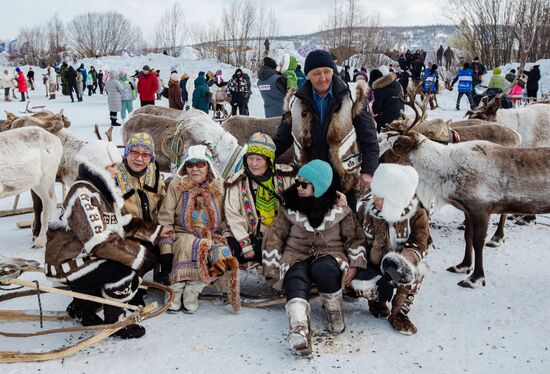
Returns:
(439,55)
(386,106)
(237,88)
(70,77)
(93,73)
(30,78)
(324,123)
(272,87)
(533,78)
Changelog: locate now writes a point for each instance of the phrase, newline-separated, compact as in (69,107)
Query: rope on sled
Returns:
(39,303)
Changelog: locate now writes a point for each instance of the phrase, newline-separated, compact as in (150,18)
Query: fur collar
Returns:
(385,81)
(281,170)
(185,184)
(408,212)
(314,208)
(102,180)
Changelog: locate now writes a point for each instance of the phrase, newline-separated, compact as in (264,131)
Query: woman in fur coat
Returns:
(93,247)
(313,241)
(193,206)
(252,197)
(397,229)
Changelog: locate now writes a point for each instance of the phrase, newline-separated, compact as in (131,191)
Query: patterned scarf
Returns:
(266,203)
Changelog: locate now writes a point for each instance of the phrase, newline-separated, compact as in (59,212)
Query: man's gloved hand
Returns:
(385,288)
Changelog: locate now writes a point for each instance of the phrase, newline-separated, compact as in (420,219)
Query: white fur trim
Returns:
(366,288)
(153,238)
(286,63)
(100,153)
(120,282)
(85,270)
(139,258)
(95,240)
(125,219)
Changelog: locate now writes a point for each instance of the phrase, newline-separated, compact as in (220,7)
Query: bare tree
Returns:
(238,22)
(55,31)
(171,31)
(102,34)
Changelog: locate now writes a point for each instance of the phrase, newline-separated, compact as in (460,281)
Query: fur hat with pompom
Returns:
(397,185)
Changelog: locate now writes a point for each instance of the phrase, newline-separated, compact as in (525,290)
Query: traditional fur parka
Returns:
(142,192)
(195,212)
(92,229)
(312,227)
(405,242)
(240,209)
(347,138)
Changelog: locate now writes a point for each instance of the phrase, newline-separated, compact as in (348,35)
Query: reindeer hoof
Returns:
(472,283)
(494,243)
(459,269)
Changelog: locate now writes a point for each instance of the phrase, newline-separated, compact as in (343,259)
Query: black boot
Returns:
(112,315)
(84,312)
(165,268)
(138,299)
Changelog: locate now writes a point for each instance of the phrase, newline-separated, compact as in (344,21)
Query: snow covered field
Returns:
(501,328)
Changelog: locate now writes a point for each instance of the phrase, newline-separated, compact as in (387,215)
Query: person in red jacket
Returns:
(21,83)
(147,86)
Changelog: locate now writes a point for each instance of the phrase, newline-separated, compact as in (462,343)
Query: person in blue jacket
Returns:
(301,76)
(464,78)
(431,81)
(201,94)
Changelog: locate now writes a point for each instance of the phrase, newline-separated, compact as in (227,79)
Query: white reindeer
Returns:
(29,159)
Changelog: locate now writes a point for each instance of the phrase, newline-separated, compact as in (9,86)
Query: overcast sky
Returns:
(295,16)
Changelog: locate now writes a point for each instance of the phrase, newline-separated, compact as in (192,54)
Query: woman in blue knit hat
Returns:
(313,241)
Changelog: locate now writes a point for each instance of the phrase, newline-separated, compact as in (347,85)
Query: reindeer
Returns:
(160,111)
(67,171)
(219,98)
(440,131)
(479,178)
(29,159)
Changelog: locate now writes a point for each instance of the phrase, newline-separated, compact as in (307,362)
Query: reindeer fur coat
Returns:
(347,138)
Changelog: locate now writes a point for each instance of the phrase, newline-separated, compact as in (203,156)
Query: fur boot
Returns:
(332,304)
(378,309)
(178,294)
(299,337)
(401,304)
(191,296)
(114,314)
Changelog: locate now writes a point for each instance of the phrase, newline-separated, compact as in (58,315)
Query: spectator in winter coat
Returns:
(511,75)
(83,72)
(346,77)
(403,64)
(100,81)
(249,93)
(147,86)
(92,248)
(465,79)
(52,82)
(403,78)
(497,80)
(7,84)
(128,94)
(321,115)
(238,90)
(64,81)
(301,76)
(114,97)
(93,73)
(183,87)
(516,93)
(288,71)
(360,76)
(30,78)
(89,83)
(386,106)
(174,92)
(272,86)
(397,231)
(201,94)
(533,78)
(161,87)
(416,67)
(21,83)
(312,240)
(449,56)
(439,55)
(478,71)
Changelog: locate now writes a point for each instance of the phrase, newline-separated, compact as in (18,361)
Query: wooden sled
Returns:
(10,271)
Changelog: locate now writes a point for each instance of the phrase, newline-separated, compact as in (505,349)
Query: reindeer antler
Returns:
(109,134)
(411,102)
(96,131)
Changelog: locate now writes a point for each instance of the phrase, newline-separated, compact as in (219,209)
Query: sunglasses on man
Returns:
(144,156)
(198,164)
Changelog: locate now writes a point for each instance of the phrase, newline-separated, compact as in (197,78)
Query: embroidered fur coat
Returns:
(315,227)
(405,241)
(92,229)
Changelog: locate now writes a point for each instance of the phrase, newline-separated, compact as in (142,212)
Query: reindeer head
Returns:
(486,110)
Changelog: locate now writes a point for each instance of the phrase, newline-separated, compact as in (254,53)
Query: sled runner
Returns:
(11,269)
(32,109)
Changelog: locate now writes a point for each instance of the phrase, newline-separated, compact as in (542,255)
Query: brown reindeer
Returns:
(479,178)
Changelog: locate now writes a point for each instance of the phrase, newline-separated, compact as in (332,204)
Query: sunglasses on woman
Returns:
(144,156)
(302,184)
(198,164)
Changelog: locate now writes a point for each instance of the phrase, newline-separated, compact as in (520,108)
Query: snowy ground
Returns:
(500,328)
